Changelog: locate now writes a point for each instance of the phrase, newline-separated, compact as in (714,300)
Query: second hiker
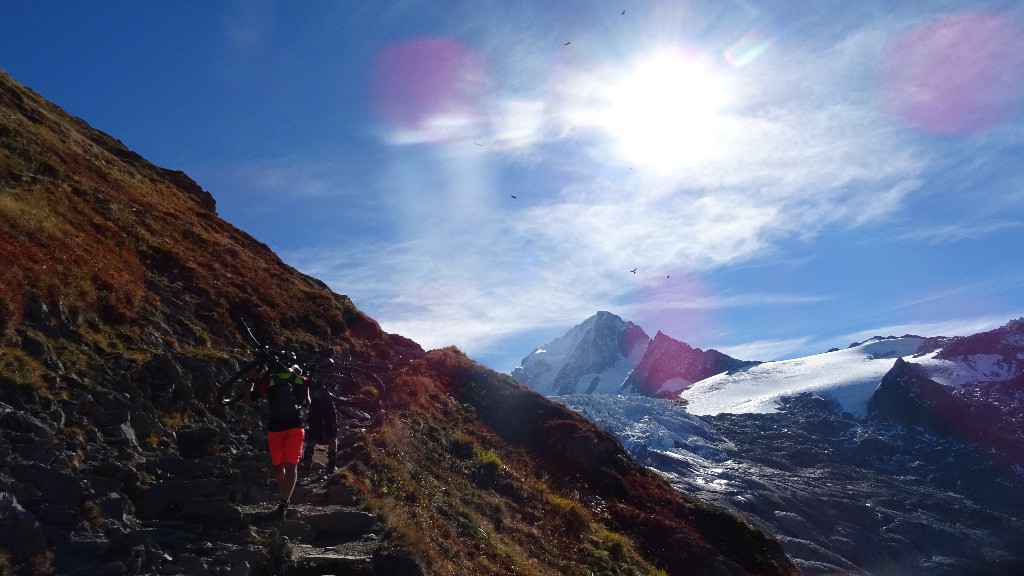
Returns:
(323,417)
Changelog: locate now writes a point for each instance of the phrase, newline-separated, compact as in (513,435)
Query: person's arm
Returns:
(303,392)
(257,389)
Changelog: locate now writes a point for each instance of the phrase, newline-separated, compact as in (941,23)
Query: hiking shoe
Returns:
(282,510)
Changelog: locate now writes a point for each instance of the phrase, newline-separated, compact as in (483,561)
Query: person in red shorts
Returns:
(286,393)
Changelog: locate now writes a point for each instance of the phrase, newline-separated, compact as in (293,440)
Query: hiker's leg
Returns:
(307,456)
(286,479)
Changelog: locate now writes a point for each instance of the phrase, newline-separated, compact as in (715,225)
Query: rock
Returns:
(164,498)
(315,562)
(18,421)
(296,530)
(211,512)
(42,451)
(240,556)
(339,521)
(174,466)
(56,486)
(115,507)
(126,475)
(186,564)
(123,436)
(20,533)
(113,410)
(396,563)
(198,441)
(238,569)
(340,495)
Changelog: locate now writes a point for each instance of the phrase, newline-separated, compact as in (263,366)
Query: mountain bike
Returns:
(349,384)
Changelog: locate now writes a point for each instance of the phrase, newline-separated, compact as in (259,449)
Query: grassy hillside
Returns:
(122,302)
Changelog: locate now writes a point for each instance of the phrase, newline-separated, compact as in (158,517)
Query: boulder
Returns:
(20,533)
(198,441)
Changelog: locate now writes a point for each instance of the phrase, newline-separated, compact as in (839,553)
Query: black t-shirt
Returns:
(284,392)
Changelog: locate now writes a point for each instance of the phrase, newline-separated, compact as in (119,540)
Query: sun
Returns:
(662,110)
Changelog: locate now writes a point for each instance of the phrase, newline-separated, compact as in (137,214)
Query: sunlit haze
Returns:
(771,179)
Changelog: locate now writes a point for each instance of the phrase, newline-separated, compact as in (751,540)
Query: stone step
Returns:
(334,521)
(350,559)
(310,523)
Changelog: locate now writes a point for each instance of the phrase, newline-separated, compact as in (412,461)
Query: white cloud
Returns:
(953,233)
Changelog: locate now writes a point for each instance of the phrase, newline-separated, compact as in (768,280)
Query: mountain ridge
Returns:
(607,354)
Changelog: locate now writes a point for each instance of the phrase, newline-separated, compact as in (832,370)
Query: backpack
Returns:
(283,395)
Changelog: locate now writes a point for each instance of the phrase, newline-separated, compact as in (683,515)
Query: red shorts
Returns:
(286,445)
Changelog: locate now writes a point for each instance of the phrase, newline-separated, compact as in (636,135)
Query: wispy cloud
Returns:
(766,350)
(951,327)
(287,179)
(952,233)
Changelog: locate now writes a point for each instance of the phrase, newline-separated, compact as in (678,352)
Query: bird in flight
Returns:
(633,270)
(567,43)
(623,13)
(513,195)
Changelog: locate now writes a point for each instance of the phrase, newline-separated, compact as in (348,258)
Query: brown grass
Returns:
(113,246)
(569,497)
(465,502)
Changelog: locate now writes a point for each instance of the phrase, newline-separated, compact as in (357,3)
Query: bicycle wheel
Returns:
(235,387)
(354,384)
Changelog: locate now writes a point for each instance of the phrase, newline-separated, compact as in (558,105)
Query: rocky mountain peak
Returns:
(605,354)
(987,414)
(908,397)
(594,355)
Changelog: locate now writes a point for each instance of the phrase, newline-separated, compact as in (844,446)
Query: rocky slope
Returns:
(123,304)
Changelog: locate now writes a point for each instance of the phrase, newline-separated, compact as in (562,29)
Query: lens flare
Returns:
(429,90)
(748,47)
(956,75)
(681,307)
(680,304)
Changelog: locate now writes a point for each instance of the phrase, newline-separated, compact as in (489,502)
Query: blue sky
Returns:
(784,176)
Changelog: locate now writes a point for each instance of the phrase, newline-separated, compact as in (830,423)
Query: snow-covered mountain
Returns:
(593,357)
(896,455)
(606,355)
(849,377)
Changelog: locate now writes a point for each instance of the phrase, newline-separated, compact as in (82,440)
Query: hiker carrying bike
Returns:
(286,393)
(323,417)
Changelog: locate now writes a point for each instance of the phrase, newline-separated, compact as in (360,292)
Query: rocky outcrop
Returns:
(670,366)
(985,414)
